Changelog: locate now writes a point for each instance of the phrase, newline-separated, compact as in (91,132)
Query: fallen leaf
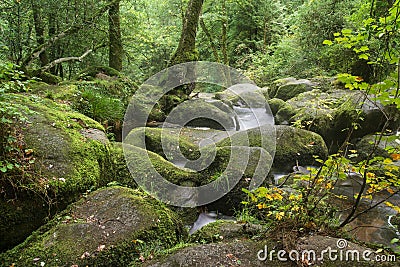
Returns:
(100,248)
(85,255)
(141,258)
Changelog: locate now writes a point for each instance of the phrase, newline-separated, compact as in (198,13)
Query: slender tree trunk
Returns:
(53,53)
(210,38)
(224,33)
(39,28)
(115,45)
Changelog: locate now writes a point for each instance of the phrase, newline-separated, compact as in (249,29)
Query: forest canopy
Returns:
(266,39)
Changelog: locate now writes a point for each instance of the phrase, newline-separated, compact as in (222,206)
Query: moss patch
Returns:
(144,165)
(223,231)
(156,138)
(292,145)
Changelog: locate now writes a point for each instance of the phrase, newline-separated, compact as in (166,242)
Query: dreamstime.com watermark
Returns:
(340,253)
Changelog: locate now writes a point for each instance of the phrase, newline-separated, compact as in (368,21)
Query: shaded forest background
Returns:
(264,38)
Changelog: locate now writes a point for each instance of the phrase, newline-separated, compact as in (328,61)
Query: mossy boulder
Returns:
(246,253)
(332,114)
(45,76)
(68,162)
(162,141)
(116,170)
(246,97)
(229,162)
(322,83)
(293,145)
(285,114)
(202,113)
(277,83)
(147,167)
(275,104)
(291,89)
(297,146)
(110,227)
(369,143)
(235,253)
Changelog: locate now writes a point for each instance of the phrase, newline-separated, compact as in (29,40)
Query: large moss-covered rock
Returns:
(332,114)
(275,104)
(116,170)
(244,97)
(69,150)
(293,145)
(110,227)
(239,253)
(230,162)
(162,141)
(291,89)
(92,71)
(320,82)
(297,146)
(146,165)
(380,146)
(202,113)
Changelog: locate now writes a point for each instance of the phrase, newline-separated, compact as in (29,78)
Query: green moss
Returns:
(206,114)
(292,145)
(297,146)
(256,98)
(285,114)
(92,71)
(252,137)
(290,90)
(159,140)
(224,231)
(115,168)
(143,164)
(276,84)
(45,76)
(329,114)
(276,104)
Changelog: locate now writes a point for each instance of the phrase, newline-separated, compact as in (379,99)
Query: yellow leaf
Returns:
(279,215)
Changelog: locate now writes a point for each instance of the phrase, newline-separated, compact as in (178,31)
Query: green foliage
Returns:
(12,79)
(15,158)
(98,106)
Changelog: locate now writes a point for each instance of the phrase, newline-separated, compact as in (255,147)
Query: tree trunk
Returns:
(39,28)
(115,45)
(186,50)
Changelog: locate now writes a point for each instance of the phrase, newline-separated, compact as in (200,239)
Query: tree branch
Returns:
(65,59)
